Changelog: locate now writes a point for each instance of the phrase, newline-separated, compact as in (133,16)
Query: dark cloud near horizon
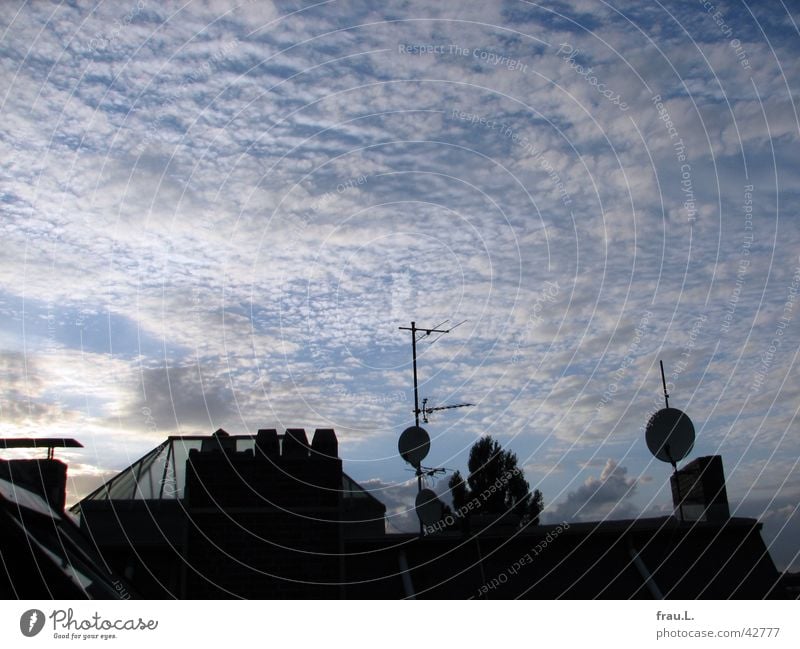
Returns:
(607,496)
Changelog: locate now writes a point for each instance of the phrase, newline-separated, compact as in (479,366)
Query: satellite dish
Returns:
(670,435)
(429,507)
(414,445)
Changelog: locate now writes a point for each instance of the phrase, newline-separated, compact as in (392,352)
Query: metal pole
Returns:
(678,489)
(414,359)
(414,331)
(428,332)
(677,481)
(416,404)
(419,489)
(664,383)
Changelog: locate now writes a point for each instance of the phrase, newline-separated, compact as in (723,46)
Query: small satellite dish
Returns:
(670,435)
(429,507)
(414,445)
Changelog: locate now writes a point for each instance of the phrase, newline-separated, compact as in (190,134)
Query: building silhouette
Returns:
(43,554)
(262,515)
(274,516)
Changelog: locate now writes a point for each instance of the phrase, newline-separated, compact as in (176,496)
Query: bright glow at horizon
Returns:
(218,216)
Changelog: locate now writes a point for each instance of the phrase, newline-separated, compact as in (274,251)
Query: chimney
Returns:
(698,490)
(295,444)
(324,445)
(46,478)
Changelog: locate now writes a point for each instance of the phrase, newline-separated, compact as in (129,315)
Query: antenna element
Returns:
(426,411)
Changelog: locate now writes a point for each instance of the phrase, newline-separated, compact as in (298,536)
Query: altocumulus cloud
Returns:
(186,229)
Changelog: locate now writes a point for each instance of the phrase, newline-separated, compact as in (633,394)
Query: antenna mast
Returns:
(414,329)
(664,383)
(414,442)
(670,437)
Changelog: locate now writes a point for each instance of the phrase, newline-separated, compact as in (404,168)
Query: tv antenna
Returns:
(427,332)
(670,435)
(427,411)
(415,443)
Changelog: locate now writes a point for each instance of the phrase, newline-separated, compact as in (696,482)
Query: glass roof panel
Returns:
(161,473)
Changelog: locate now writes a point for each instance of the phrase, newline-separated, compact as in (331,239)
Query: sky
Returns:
(218,215)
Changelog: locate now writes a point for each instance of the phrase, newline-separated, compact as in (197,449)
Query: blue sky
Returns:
(218,215)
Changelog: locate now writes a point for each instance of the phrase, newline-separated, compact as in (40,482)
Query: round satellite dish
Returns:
(670,435)
(429,507)
(414,445)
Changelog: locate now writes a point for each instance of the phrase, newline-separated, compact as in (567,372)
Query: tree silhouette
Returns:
(495,485)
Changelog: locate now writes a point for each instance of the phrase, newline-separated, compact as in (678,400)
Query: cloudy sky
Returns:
(218,215)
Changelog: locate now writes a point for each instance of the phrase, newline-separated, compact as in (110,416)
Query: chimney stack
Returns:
(44,477)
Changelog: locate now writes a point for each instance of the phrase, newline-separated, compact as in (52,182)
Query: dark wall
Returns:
(587,561)
(262,527)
